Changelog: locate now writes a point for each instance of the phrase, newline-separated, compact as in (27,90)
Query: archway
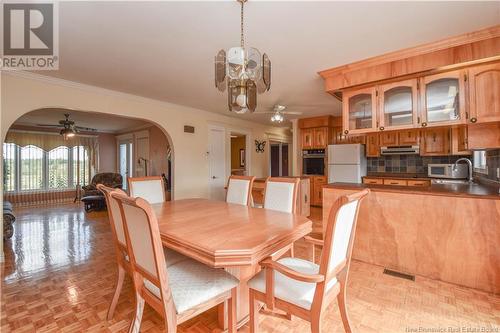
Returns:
(40,167)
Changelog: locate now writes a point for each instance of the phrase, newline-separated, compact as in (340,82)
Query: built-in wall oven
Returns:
(313,162)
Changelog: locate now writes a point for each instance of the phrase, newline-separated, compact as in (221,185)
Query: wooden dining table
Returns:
(229,236)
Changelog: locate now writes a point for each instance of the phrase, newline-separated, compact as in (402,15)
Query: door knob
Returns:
(213,177)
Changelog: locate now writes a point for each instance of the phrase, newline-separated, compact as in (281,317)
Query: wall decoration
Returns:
(259,146)
(242,157)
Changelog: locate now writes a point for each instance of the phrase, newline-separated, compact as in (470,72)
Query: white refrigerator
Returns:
(346,163)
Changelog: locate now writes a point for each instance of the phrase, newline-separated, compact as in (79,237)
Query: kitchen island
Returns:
(445,232)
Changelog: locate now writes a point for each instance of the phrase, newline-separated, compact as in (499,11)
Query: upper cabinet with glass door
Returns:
(359,111)
(398,105)
(442,99)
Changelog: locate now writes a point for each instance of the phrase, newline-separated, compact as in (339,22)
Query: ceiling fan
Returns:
(68,127)
(278,113)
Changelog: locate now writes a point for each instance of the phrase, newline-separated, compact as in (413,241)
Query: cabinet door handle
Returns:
(424,124)
(473,120)
(346,132)
(381,128)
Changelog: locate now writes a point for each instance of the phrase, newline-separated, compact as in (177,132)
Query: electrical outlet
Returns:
(498,173)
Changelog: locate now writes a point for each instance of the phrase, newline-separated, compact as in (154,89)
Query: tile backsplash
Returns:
(493,162)
(406,163)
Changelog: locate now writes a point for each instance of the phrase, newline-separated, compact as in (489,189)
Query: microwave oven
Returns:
(448,171)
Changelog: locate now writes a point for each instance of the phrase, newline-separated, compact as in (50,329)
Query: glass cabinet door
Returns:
(358,111)
(443,100)
(398,105)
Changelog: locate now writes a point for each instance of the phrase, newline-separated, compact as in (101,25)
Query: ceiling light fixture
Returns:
(67,133)
(277,117)
(245,72)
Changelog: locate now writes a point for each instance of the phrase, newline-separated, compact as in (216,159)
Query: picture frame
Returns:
(242,157)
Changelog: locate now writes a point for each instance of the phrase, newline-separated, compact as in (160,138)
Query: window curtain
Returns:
(48,142)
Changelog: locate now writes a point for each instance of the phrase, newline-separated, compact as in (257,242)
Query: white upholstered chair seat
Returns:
(193,283)
(290,290)
(172,257)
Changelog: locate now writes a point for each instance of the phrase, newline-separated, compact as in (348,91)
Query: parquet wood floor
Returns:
(59,276)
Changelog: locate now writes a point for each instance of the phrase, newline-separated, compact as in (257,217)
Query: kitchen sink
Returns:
(452,182)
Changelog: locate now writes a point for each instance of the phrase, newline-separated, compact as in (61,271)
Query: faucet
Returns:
(469,163)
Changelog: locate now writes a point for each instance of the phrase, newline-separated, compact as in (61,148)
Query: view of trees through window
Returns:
(30,168)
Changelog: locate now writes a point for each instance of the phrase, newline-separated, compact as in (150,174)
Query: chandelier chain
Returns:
(242,41)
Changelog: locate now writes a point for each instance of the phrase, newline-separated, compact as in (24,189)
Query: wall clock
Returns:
(259,146)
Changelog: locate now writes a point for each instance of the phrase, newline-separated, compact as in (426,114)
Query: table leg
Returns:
(243,273)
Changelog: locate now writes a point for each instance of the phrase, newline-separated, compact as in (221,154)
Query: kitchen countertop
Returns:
(479,191)
(263,180)
(413,176)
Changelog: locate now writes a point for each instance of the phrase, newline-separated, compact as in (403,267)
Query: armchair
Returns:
(109,179)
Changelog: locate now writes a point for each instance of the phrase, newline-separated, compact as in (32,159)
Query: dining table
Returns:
(228,236)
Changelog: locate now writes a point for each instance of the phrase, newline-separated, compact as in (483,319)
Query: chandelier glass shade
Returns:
(245,71)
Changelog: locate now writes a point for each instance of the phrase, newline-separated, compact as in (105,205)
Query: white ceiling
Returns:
(165,50)
(99,121)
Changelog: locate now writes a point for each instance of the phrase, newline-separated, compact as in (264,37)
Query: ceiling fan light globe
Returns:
(241,100)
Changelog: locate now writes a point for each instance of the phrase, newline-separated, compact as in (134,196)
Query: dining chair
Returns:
(120,243)
(302,288)
(178,292)
(239,190)
(151,188)
(281,194)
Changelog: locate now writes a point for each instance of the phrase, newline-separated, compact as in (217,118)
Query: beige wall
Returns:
(107,152)
(158,146)
(24,92)
(236,144)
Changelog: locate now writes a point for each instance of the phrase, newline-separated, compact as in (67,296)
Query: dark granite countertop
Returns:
(415,176)
(480,191)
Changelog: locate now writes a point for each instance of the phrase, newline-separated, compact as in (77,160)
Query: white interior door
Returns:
(217,163)
(125,160)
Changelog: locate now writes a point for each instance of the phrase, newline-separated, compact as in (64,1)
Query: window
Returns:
(480,161)
(9,166)
(31,168)
(81,166)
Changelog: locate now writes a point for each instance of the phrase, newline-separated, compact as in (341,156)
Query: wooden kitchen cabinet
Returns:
(397,107)
(442,99)
(435,142)
(317,184)
(484,93)
(307,138)
(459,141)
(320,137)
(359,114)
(361,139)
(388,139)
(373,181)
(419,183)
(372,145)
(408,137)
(396,182)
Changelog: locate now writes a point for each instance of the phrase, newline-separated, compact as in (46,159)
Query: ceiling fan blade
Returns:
(49,125)
(291,112)
(87,129)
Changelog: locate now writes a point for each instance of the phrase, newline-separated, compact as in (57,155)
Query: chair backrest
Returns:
(281,194)
(150,188)
(340,232)
(146,250)
(239,190)
(114,215)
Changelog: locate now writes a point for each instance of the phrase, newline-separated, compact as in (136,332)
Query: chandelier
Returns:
(245,72)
